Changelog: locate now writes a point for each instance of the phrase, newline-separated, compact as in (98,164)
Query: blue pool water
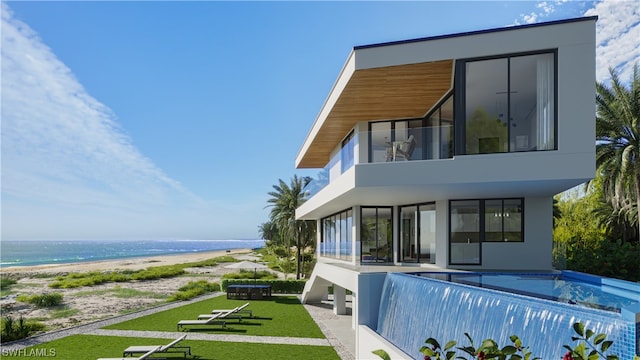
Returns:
(415,307)
(559,287)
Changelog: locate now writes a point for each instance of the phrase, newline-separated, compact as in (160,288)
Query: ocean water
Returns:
(32,252)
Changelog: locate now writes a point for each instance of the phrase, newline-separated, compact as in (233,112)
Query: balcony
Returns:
(386,145)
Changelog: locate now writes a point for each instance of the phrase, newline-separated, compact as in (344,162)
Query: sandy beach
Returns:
(85,304)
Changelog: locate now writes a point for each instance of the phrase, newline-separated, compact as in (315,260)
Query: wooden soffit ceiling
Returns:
(394,92)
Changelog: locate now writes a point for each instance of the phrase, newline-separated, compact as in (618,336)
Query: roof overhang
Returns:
(380,93)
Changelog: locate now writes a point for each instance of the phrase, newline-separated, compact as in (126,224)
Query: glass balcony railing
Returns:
(407,144)
(400,144)
(338,164)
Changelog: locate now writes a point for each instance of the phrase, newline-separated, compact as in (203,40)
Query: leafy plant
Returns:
(11,329)
(42,300)
(489,349)
(596,346)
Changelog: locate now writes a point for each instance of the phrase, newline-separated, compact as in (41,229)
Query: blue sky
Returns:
(144,120)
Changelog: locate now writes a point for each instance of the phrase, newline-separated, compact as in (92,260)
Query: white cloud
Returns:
(64,156)
(617,37)
(617,32)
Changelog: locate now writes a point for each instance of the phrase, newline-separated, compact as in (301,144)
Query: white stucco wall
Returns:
(368,341)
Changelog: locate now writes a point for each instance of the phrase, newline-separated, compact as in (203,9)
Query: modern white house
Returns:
(445,153)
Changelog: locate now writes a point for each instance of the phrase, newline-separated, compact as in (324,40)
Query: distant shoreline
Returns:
(131,263)
(62,252)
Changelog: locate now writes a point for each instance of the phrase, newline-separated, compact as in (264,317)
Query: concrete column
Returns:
(354,311)
(339,300)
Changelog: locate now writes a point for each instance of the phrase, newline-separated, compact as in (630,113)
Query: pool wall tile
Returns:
(417,308)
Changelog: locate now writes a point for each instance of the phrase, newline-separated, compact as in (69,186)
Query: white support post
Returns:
(339,300)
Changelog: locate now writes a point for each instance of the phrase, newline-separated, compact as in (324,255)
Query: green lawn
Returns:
(91,347)
(280,316)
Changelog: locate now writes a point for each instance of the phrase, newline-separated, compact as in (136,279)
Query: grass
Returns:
(63,313)
(124,293)
(74,280)
(91,347)
(280,316)
(193,289)
(42,300)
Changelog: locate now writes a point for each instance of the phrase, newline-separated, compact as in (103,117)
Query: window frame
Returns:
(389,241)
(337,246)
(459,143)
(482,226)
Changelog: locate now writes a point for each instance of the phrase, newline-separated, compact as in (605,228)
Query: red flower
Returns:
(567,356)
(481,355)
(427,357)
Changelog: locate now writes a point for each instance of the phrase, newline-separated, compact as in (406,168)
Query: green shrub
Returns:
(605,258)
(277,286)
(591,346)
(244,274)
(42,300)
(6,282)
(193,289)
(11,330)
(74,280)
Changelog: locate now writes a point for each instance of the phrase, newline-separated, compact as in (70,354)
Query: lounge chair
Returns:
(226,315)
(406,150)
(146,355)
(169,348)
(238,310)
(215,319)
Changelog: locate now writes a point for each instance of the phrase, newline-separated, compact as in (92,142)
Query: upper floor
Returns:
(503,112)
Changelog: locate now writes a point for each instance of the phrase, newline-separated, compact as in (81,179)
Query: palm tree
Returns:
(269,231)
(283,202)
(618,141)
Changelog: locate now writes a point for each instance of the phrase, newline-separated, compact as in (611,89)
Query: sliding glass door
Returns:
(376,229)
(418,233)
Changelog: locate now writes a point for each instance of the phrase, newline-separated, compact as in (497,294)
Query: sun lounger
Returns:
(215,319)
(169,348)
(239,310)
(235,313)
(142,357)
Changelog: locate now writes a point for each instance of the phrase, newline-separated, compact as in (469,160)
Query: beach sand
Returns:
(85,304)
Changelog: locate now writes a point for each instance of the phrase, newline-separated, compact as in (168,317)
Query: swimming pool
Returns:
(565,287)
(539,308)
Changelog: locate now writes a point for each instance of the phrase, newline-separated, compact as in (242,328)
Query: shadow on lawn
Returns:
(216,331)
(286,300)
(256,318)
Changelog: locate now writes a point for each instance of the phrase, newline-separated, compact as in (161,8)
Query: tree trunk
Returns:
(638,204)
(298,258)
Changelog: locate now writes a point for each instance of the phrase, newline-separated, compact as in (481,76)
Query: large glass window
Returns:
(418,233)
(476,221)
(509,104)
(336,238)
(376,229)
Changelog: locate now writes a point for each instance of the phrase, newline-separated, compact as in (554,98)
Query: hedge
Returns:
(277,286)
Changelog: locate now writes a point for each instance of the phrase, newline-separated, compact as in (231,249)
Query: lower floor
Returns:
(492,234)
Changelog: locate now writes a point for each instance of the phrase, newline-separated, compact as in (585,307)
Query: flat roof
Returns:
(392,81)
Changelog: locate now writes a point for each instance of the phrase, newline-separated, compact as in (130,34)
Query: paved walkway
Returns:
(321,314)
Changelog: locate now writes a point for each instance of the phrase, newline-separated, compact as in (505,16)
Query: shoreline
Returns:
(86,304)
(133,263)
